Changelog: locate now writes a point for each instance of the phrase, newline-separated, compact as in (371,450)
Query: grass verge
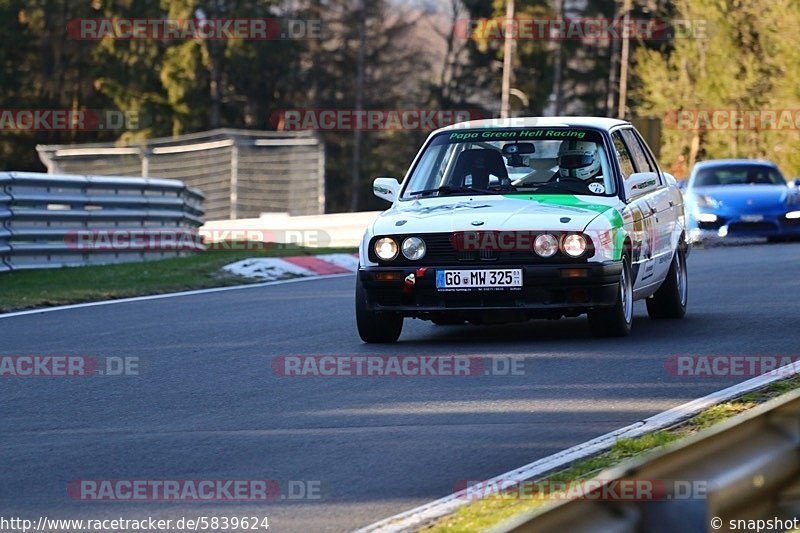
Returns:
(493,510)
(28,289)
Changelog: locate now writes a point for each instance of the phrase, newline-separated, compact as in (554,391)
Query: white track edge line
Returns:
(171,295)
(414,518)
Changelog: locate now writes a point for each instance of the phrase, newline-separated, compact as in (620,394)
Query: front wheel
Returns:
(375,328)
(616,320)
(671,298)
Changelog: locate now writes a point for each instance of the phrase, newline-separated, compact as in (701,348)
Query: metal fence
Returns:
(49,221)
(242,173)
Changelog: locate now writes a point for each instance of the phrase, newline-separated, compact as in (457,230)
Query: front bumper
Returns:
(546,290)
(740,227)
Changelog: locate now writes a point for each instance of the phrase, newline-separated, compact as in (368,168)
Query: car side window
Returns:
(640,160)
(647,151)
(623,156)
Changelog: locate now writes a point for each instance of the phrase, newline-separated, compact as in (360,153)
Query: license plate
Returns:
(752,218)
(494,279)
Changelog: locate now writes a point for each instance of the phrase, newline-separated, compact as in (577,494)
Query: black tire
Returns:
(375,328)
(669,302)
(616,320)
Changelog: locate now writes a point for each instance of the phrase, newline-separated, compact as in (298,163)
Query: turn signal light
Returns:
(574,273)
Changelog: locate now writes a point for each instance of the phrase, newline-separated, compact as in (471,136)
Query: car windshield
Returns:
(540,160)
(738,175)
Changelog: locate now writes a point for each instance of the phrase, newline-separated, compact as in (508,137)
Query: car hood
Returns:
(545,212)
(745,196)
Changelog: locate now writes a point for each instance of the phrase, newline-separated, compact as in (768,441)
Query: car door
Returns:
(673,196)
(642,251)
(660,205)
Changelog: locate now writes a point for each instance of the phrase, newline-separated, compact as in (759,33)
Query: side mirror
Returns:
(641,183)
(386,188)
(671,180)
(796,183)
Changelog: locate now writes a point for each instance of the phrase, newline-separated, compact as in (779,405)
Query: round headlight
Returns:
(545,245)
(386,249)
(414,248)
(574,245)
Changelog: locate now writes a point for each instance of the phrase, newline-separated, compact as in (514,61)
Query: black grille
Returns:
(440,247)
(476,257)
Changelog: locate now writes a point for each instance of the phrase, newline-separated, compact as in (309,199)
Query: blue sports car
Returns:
(741,198)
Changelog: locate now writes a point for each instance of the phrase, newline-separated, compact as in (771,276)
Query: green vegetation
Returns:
(415,55)
(28,289)
(741,58)
(491,511)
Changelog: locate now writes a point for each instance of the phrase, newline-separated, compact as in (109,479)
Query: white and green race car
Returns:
(508,220)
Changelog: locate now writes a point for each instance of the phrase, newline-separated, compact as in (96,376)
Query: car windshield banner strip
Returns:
(539,134)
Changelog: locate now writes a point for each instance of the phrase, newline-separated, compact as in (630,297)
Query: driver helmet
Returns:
(578,159)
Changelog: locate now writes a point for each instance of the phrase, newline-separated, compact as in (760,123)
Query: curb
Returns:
(269,270)
(306,266)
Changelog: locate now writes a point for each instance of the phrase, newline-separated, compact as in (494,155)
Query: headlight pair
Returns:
(387,249)
(573,245)
(545,245)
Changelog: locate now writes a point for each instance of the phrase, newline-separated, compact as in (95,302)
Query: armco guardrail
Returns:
(746,469)
(42,215)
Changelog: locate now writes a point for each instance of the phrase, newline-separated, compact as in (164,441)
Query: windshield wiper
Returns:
(447,189)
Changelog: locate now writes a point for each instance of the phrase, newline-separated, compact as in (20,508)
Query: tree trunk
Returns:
(355,182)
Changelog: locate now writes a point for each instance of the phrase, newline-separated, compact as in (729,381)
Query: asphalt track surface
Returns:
(207,404)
